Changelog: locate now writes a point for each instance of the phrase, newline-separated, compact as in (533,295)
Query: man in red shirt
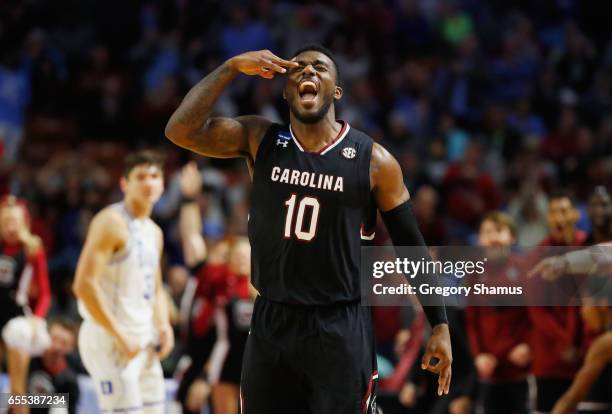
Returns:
(557,334)
(499,336)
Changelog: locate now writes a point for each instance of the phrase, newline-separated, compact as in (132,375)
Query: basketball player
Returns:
(311,347)
(121,299)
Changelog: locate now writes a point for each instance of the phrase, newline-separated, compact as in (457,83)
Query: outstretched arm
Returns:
(192,126)
(598,356)
(594,259)
(393,200)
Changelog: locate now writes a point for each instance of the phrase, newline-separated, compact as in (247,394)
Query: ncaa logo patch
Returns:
(349,153)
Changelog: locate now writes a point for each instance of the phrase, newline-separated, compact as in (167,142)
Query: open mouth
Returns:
(308,92)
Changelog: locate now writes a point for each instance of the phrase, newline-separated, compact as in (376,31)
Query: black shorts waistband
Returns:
(307,306)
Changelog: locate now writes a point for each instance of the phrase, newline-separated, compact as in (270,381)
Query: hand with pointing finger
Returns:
(550,268)
(438,357)
(261,63)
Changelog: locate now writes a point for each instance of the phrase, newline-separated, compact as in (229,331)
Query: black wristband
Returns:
(187,200)
(404,231)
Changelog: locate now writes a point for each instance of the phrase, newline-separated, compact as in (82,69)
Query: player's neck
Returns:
(137,209)
(315,136)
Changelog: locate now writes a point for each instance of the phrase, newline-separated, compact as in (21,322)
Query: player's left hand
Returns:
(439,347)
(166,341)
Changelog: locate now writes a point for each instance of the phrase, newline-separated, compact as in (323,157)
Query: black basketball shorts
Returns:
(309,360)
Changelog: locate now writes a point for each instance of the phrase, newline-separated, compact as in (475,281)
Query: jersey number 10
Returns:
(300,232)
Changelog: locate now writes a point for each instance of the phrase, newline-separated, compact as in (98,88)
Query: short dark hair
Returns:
(321,49)
(600,191)
(500,219)
(65,323)
(561,193)
(142,157)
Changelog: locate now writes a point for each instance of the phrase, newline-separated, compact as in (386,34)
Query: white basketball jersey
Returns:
(128,282)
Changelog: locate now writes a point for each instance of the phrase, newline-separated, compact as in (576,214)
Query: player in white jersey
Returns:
(126,332)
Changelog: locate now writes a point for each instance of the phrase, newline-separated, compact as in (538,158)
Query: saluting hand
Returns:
(439,347)
(262,63)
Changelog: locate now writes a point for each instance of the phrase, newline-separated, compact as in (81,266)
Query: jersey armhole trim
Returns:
(266,137)
(367,178)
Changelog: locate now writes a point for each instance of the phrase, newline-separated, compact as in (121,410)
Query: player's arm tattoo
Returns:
(193,127)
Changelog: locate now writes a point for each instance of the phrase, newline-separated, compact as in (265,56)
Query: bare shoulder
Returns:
(383,162)
(386,179)
(108,226)
(109,216)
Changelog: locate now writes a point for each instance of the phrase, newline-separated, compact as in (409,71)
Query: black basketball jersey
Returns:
(306,214)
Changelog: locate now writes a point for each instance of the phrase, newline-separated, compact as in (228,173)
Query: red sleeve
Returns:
(542,318)
(41,279)
(471,321)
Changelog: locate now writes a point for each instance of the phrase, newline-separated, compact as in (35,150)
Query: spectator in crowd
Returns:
(24,293)
(51,372)
(432,226)
(557,334)
(14,98)
(499,335)
(228,303)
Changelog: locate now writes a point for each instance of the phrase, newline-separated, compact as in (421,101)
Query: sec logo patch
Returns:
(349,153)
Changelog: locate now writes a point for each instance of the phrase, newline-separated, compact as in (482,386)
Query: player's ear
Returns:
(123,184)
(576,214)
(338,93)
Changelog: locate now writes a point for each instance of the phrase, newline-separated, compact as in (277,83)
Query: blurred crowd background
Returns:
(488,105)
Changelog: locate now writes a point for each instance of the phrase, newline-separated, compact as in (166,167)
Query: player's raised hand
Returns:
(438,357)
(191,180)
(261,63)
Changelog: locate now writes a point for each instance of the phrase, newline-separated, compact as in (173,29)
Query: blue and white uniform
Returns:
(128,287)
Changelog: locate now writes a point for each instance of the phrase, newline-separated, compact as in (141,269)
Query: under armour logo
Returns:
(283,139)
(349,153)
